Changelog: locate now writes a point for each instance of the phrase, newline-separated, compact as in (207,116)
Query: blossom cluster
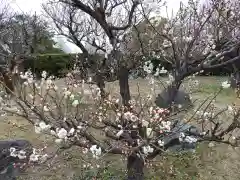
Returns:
(35,156)
(158,114)
(149,69)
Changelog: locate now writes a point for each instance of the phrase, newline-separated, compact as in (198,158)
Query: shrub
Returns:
(54,64)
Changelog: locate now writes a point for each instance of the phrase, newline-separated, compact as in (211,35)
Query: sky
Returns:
(33,6)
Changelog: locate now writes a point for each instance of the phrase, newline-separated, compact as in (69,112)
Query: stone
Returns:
(7,170)
(172,141)
(182,99)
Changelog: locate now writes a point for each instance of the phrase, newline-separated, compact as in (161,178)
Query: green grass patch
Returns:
(213,88)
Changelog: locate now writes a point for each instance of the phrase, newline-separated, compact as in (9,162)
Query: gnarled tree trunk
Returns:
(135,166)
(124,85)
(173,96)
(101,84)
(7,81)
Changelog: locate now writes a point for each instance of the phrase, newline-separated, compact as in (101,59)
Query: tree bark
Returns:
(101,84)
(135,166)
(124,85)
(172,90)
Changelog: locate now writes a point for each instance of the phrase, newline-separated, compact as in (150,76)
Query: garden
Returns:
(153,98)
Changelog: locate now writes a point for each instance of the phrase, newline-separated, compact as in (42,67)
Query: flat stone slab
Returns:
(7,170)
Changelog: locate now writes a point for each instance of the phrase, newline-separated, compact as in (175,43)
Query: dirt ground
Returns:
(220,162)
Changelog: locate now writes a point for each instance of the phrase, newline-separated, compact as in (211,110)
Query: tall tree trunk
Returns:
(7,81)
(101,84)
(124,85)
(135,166)
(172,90)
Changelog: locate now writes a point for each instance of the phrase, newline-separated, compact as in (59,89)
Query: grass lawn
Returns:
(217,163)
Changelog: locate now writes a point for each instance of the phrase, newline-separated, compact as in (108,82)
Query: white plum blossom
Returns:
(25,83)
(52,132)
(30,96)
(151,109)
(44,126)
(44,74)
(157,72)
(163,71)
(62,133)
(145,123)
(119,133)
(119,114)
(96,151)
(151,81)
(80,127)
(226,84)
(206,114)
(41,127)
(85,150)
(34,158)
(148,67)
(166,43)
(22,154)
(179,106)
(13,152)
(199,113)
(181,137)
(71,131)
(230,108)
(161,143)
(134,118)
(72,97)
(49,83)
(188,139)
(203,133)
(119,126)
(149,97)
(67,93)
(23,76)
(37,129)
(90,79)
(147,149)
(130,116)
(44,157)
(134,126)
(75,103)
(187,39)
(165,126)
(45,108)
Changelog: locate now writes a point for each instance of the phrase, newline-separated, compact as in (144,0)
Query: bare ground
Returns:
(218,163)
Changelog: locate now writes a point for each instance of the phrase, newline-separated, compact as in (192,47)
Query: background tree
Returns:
(86,34)
(22,36)
(29,34)
(190,40)
(108,15)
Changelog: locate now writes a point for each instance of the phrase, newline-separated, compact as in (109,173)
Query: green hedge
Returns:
(57,65)
(54,64)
